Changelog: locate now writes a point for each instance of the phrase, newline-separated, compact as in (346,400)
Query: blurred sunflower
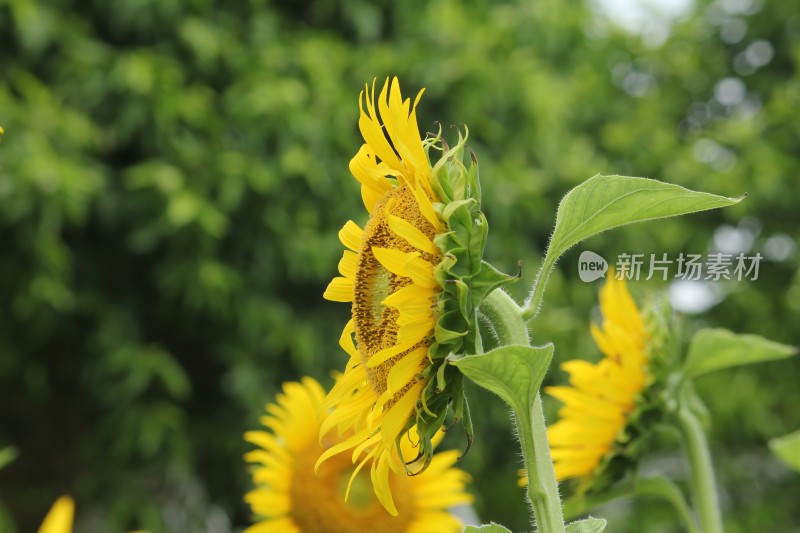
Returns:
(603,397)
(60,517)
(291,498)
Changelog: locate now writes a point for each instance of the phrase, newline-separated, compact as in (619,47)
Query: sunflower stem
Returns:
(704,487)
(506,318)
(534,301)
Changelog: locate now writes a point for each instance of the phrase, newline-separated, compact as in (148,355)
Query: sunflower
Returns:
(59,519)
(413,276)
(602,397)
(292,498)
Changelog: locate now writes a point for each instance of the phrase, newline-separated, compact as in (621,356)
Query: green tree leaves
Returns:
(715,349)
(605,202)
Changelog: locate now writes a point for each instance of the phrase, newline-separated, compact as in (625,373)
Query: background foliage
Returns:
(173,176)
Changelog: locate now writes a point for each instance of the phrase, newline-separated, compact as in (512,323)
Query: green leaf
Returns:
(787,449)
(487,528)
(715,349)
(587,525)
(605,202)
(513,372)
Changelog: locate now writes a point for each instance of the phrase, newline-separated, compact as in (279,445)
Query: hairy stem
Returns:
(534,301)
(506,318)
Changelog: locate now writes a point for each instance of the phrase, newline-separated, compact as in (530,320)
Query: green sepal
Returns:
(463,294)
(449,259)
(465,280)
(445,335)
(487,280)
(458,213)
(461,414)
(453,181)
(441,382)
(477,242)
(473,178)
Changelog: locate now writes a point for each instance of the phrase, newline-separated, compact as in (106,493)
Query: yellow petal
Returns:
(340,290)
(348,264)
(284,525)
(379,474)
(370,197)
(269,503)
(346,339)
(371,175)
(387,353)
(578,454)
(410,296)
(568,470)
(420,272)
(372,131)
(60,517)
(401,125)
(412,235)
(345,385)
(583,400)
(354,440)
(355,473)
(405,369)
(425,206)
(410,334)
(399,413)
(564,433)
(350,235)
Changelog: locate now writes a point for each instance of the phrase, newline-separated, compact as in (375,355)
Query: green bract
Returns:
(466,280)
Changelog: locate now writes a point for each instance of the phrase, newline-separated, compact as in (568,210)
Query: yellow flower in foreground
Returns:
(388,275)
(60,517)
(291,498)
(601,397)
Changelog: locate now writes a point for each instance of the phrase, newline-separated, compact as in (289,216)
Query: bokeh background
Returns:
(173,176)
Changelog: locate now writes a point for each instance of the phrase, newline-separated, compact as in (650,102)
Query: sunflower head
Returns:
(414,277)
(610,406)
(291,497)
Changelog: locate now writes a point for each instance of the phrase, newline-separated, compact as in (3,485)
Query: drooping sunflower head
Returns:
(604,399)
(414,277)
(290,497)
